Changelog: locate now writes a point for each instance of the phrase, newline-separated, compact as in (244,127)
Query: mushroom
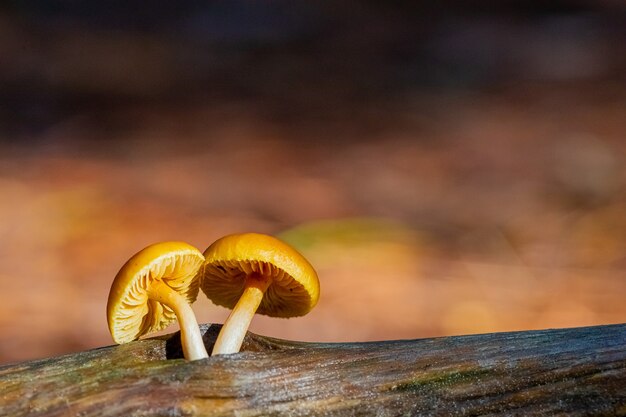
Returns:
(250,273)
(155,287)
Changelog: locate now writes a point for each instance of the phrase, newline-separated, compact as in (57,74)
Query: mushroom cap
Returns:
(294,288)
(130,313)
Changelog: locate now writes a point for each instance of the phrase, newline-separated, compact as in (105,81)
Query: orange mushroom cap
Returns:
(130,313)
(294,289)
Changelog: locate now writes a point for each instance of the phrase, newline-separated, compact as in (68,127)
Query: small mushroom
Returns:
(155,287)
(250,273)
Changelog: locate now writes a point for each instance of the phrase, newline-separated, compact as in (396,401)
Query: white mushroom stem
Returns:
(236,325)
(190,337)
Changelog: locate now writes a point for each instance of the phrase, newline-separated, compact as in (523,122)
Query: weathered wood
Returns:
(572,371)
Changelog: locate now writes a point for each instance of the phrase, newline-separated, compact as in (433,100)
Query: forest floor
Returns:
(433,215)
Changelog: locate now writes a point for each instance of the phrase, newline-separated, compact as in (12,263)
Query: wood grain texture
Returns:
(578,371)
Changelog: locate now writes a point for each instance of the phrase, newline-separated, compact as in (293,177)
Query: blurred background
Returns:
(448,167)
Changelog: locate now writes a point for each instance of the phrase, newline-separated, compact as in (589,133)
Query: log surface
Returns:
(578,371)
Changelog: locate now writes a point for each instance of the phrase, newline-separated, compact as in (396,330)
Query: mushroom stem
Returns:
(190,337)
(236,325)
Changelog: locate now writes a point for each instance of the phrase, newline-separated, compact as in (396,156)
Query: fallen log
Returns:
(579,371)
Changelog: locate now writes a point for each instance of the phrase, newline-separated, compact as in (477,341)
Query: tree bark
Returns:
(578,371)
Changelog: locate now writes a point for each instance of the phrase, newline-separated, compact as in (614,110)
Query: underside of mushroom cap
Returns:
(294,288)
(130,312)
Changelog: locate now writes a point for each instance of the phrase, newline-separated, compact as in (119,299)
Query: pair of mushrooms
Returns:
(247,272)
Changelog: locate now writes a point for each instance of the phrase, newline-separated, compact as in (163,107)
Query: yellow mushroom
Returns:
(250,273)
(155,287)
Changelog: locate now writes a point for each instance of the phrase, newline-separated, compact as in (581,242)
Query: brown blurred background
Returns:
(451,168)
